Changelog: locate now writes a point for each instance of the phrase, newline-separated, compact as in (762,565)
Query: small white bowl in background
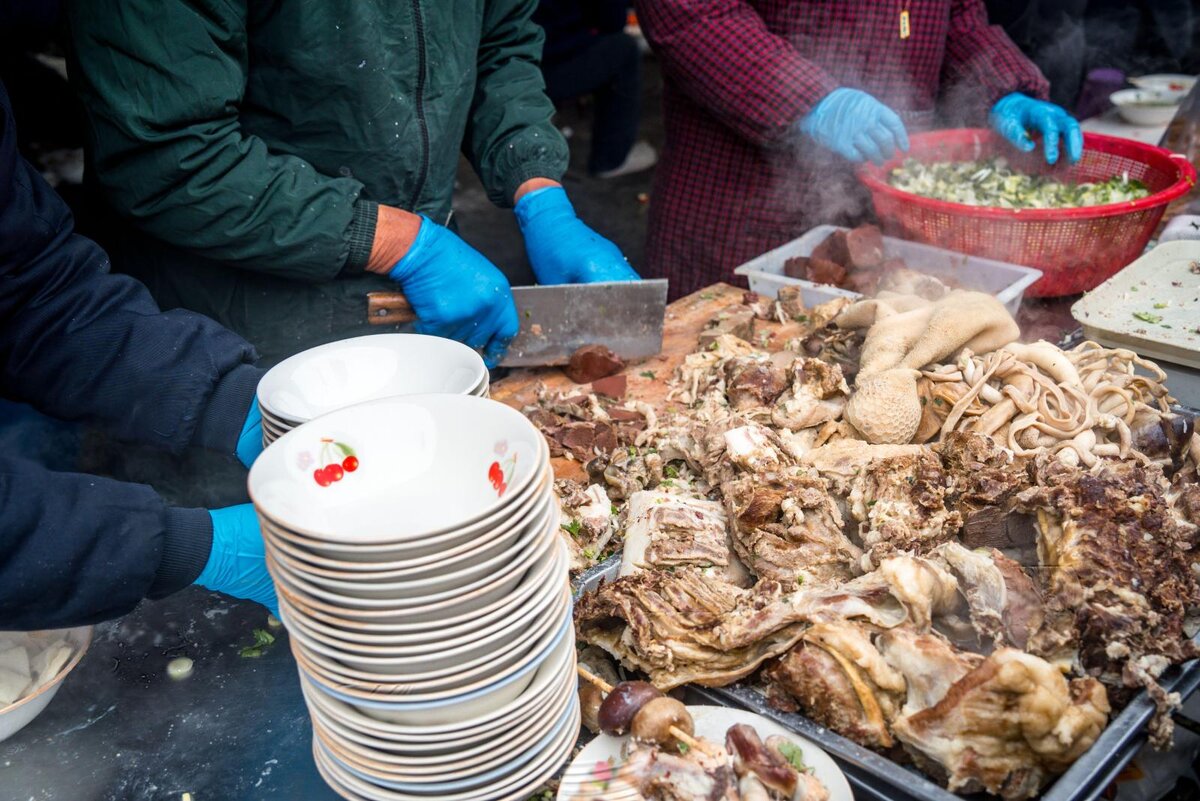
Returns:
(1145,107)
(17,716)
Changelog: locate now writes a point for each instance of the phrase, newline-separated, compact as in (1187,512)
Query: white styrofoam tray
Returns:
(1007,282)
(1163,287)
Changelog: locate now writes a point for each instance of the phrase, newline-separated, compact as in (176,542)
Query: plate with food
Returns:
(724,753)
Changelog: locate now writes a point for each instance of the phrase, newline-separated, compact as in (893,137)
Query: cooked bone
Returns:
(667,530)
(751,756)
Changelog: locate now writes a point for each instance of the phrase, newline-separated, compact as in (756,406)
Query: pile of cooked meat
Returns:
(976,609)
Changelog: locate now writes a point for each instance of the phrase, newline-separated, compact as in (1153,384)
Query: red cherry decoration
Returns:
(502,488)
(322,477)
(350,464)
(334,471)
(495,474)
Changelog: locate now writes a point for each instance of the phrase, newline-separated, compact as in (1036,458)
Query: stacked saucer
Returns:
(340,374)
(426,596)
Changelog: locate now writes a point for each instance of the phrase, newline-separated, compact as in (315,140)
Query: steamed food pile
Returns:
(941,543)
(992,182)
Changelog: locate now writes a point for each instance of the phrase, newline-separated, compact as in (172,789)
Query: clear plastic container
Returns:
(1007,282)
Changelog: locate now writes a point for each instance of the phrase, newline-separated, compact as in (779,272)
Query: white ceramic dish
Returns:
(552,563)
(453,571)
(340,374)
(428,663)
(423,465)
(472,749)
(446,547)
(17,716)
(457,706)
(479,593)
(553,678)
(425,582)
(433,641)
(711,722)
(456,777)
(512,787)
(1165,82)
(1145,107)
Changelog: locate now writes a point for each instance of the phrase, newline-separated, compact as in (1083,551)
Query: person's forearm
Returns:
(395,231)
(532,185)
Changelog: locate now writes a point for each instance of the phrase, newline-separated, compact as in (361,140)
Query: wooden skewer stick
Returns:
(605,687)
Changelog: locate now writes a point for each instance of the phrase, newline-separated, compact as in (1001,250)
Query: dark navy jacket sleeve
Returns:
(81,344)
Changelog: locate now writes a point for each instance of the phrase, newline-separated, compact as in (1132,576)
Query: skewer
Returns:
(681,736)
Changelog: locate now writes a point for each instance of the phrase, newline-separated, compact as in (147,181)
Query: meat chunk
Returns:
(786,527)
(838,678)
(1117,583)
(1005,605)
(591,362)
(753,382)
(900,504)
(1007,726)
(666,624)
(928,663)
(663,776)
(751,756)
(665,530)
(817,394)
(589,522)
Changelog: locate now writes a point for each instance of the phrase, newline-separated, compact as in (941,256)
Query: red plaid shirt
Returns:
(735,180)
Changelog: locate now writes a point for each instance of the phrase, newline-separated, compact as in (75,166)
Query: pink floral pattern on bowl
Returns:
(500,472)
(334,460)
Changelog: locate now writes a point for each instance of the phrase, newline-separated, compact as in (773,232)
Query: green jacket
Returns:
(242,148)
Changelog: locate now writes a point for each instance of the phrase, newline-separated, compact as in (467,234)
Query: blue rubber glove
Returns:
(561,248)
(250,441)
(237,563)
(856,126)
(1015,115)
(456,292)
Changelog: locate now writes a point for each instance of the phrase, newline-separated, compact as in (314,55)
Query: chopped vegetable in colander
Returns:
(994,183)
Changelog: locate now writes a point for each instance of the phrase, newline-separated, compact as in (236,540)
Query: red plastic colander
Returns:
(1076,249)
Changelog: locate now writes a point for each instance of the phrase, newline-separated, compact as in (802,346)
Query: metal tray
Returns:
(874,777)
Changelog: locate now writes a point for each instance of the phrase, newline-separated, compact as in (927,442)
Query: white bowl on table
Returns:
(21,713)
(1167,83)
(340,374)
(425,465)
(1146,107)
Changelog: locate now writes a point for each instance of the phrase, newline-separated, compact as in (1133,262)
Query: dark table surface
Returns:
(121,730)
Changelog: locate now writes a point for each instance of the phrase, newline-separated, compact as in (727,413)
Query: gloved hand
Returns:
(561,248)
(237,563)
(250,441)
(856,126)
(456,292)
(1016,114)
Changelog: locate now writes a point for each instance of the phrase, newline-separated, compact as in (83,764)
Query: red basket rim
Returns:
(874,177)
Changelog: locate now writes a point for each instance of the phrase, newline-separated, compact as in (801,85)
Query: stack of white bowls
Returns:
(426,596)
(339,374)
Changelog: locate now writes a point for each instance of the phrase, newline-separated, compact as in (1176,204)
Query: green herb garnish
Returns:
(1161,305)
(647,374)
(794,755)
(671,471)
(1147,317)
(573,528)
(262,638)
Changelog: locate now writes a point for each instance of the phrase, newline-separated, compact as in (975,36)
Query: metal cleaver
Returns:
(625,316)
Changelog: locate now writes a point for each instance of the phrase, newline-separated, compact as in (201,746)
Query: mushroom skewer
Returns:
(675,731)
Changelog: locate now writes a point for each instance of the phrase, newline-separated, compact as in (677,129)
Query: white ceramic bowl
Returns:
(552,563)
(421,754)
(453,564)
(17,716)
(1145,107)
(439,549)
(474,595)
(378,667)
(434,639)
(423,582)
(524,778)
(394,770)
(554,677)
(340,374)
(1169,83)
(423,465)
(460,704)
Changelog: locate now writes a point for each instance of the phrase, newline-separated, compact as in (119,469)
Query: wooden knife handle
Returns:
(389,308)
